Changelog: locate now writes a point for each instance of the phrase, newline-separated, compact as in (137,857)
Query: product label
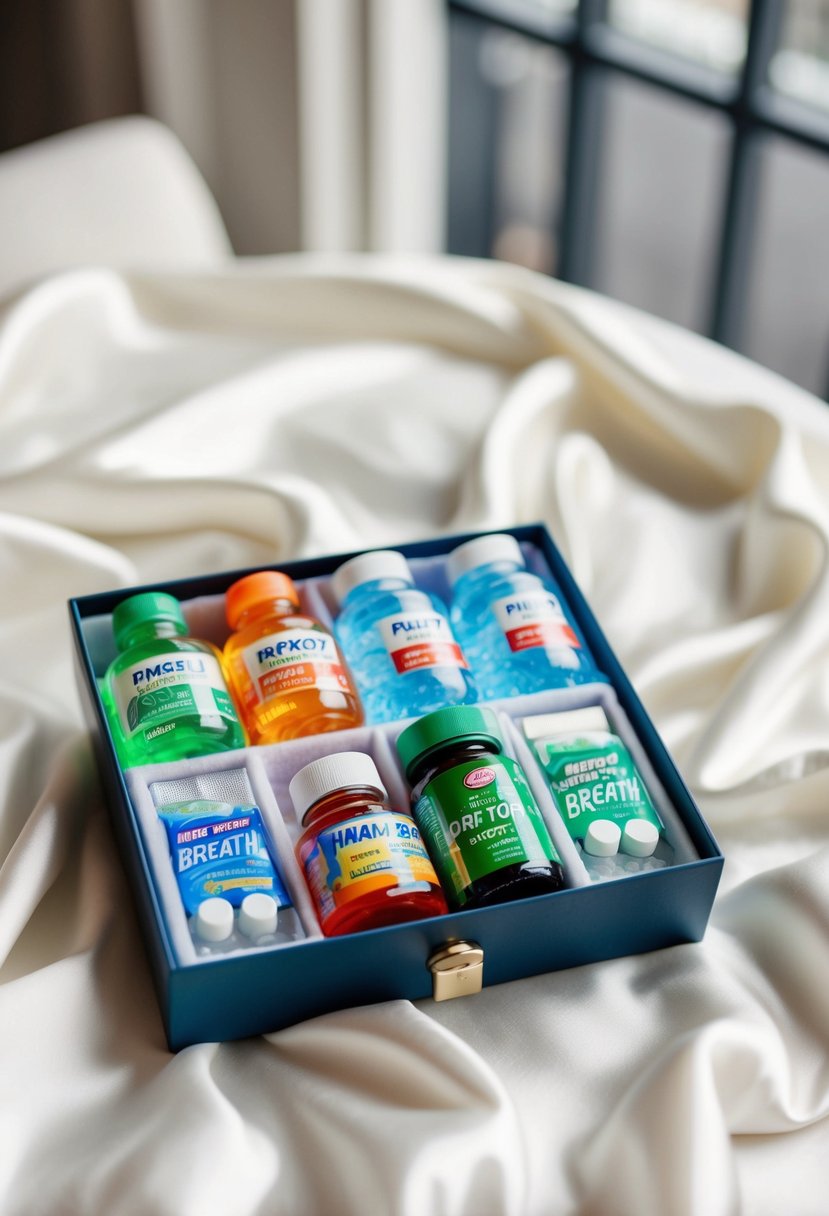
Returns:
(416,641)
(292,660)
(534,618)
(363,854)
(595,780)
(152,694)
(478,818)
(219,849)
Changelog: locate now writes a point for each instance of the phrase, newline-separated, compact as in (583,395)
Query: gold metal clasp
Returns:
(457,970)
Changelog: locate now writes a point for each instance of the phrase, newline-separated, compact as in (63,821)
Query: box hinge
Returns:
(457,970)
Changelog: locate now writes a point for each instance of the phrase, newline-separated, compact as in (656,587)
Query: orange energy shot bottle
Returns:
(285,669)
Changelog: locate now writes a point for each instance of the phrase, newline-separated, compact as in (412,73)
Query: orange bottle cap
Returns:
(256,589)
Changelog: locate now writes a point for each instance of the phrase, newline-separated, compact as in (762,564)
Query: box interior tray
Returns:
(207,996)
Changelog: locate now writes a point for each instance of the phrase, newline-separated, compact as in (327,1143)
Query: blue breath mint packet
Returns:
(220,849)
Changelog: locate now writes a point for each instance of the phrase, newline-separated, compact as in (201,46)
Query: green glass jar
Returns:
(476,811)
(165,694)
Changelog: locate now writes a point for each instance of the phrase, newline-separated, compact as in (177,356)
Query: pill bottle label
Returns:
(150,695)
(595,781)
(478,818)
(364,854)
(414,642)
(291,660)
(534,618)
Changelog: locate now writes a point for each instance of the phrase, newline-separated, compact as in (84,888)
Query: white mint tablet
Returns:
(257,915)
(639,838)
(602,839)
(214,920)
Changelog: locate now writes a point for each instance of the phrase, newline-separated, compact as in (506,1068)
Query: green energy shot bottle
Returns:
(165,695)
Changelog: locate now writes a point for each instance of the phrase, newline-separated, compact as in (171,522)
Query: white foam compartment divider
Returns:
(516,746)
(154,837)
(282,761)
(270,768)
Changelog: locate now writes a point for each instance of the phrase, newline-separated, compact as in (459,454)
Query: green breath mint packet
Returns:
(590,772)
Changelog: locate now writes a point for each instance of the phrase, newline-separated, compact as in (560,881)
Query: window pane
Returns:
(528,13)
(553,8)
(661,181)
(800,68)
(508,116)
(788,305)
(473,110)
(530,154)
(711,32)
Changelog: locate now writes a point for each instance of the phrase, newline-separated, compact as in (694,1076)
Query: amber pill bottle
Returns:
(479,819)
(285,668)
(364,861)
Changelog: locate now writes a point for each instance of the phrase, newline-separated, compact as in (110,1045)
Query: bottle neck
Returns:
(502,568)
(452,753)
(149,631)
(393,583)
(342,803)
(264,609)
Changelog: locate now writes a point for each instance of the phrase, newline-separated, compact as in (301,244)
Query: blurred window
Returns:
(710,32)
(656,230)
(800,66)
(670,153)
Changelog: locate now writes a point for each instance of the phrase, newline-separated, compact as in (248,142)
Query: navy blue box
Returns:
(236,995)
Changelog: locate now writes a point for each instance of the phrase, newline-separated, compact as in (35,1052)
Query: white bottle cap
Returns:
(602,839)
(570,723)
(214,919)
(480,552)
(329,773)
(366,568)
(639,838)
(257,915)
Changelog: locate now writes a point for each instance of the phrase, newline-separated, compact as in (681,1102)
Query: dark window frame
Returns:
(746,100)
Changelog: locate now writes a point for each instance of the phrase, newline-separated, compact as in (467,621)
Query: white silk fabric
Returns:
(153,427)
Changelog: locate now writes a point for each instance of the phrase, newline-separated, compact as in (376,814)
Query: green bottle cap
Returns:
(470,723)
(141,609)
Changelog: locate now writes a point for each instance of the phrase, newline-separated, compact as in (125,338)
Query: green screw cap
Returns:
(470,723)
(140,609)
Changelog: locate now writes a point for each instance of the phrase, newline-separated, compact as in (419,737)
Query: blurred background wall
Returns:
(65,63)
(441,125)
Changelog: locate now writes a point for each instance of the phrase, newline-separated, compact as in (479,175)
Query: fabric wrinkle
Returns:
(155,426)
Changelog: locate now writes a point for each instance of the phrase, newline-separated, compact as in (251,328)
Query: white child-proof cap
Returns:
(602,838)
(367,568)
(480,552)
(214,919)
(330,773)
(257,915)
(639,838)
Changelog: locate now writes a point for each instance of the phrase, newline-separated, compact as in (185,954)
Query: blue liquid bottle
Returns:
(397,640)
(515,629)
